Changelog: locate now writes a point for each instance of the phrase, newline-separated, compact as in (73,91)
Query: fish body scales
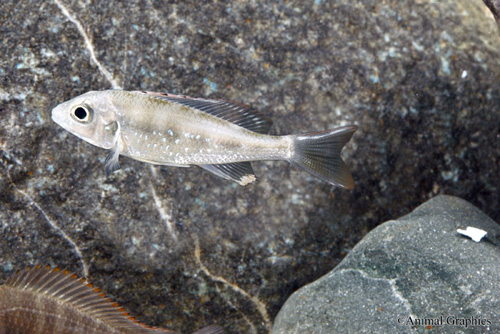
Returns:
(165,132)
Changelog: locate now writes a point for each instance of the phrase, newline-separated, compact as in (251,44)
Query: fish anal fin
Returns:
(234,112)
(239,172)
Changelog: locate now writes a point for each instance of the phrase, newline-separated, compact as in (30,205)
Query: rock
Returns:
(181,248)
(494,6)
(407,270)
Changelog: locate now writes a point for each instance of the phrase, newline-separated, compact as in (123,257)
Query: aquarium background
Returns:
(181,248)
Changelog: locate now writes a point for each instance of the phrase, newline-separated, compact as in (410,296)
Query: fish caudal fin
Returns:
(318,153)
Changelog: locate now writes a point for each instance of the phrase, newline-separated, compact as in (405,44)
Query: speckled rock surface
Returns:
(182,248)
(405,275)
(494,7)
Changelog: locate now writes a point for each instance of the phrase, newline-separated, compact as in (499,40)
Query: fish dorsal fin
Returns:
(237,113)
(239,172)
(79,294)
(210,330)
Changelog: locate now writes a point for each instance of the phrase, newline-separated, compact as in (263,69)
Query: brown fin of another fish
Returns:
(239,172)
(210,330)
(237,113)
(319,154)
(79,294)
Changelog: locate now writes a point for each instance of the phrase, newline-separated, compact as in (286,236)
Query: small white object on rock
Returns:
(474,233)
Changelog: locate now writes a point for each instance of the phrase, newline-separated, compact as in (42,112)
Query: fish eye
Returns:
(82,114)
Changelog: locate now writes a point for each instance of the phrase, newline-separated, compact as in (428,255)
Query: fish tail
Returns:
(318,153)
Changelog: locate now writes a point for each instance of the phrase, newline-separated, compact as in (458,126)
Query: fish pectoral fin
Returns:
(239,172)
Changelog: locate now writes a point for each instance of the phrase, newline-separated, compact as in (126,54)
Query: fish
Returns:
(43,300)
(220,136)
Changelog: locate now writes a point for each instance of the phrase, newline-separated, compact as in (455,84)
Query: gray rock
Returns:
(494,6)
(406,271)
(420,78)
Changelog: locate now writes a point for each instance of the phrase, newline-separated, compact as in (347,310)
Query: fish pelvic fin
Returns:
(318,153)
(111,163)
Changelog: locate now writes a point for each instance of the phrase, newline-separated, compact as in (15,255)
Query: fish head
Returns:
(91,117)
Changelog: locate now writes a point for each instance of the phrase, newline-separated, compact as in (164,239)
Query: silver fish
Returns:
(217,135)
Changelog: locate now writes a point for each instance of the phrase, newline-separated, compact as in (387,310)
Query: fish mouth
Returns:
(57,115)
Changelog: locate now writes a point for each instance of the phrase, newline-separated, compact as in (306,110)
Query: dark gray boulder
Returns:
(407,274)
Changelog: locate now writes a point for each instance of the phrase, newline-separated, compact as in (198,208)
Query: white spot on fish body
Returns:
(177,141)
(164,139)
(197,136)
(170,132)
(154,146)
(166,148)
(186,149)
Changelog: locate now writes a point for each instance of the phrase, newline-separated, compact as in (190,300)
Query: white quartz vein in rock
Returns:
(164,215)
(261,307)
(392,283)
(51,223)
(88,44)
